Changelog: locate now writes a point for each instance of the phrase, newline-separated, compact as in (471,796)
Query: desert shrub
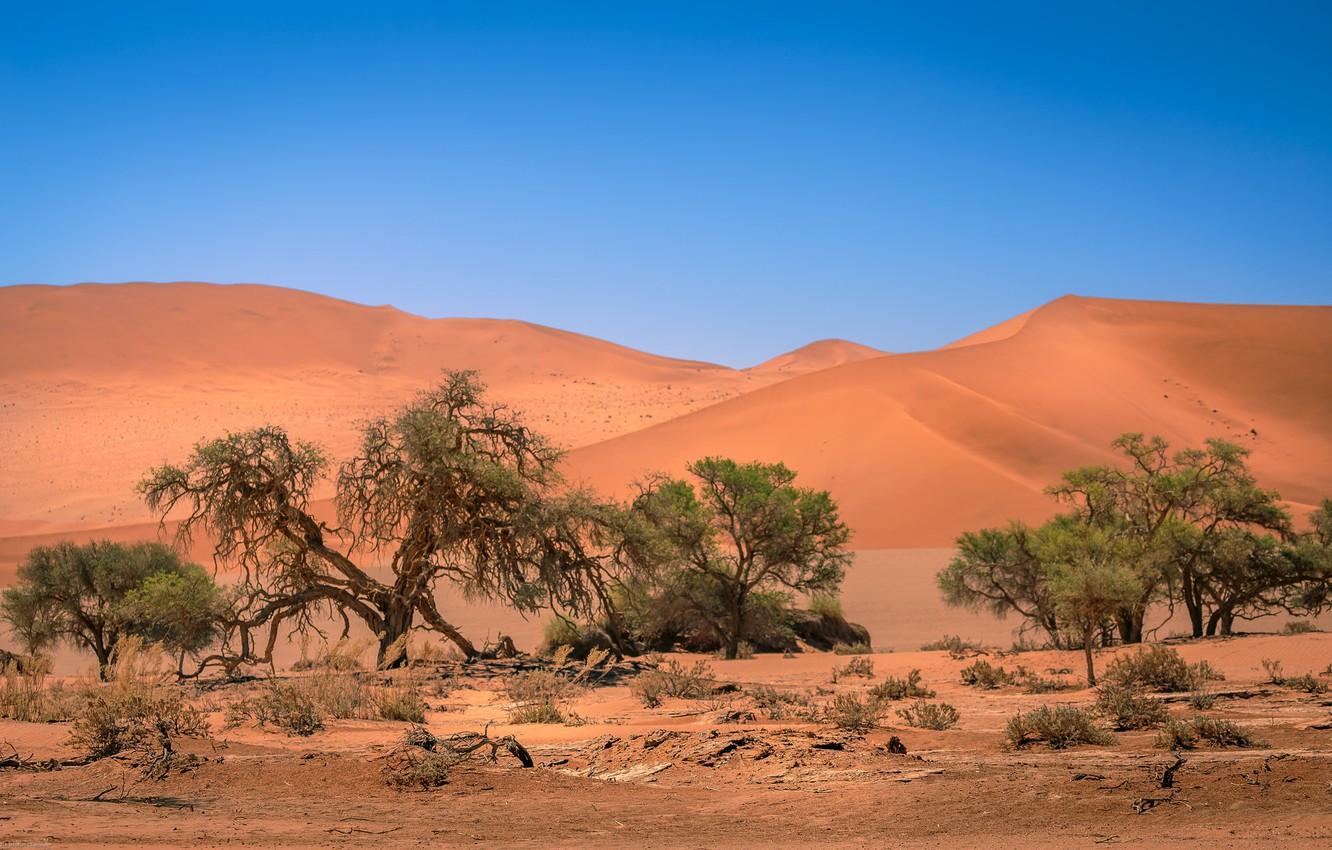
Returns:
(894,688)
(1191,733)
(26,696)
(400,703)
(1058,727)
(1306,683)
(1032,682)
(826,605)
(1202,698)
(1126,707)
(1272,667)
(287,705)
(929,715)
(857,666)
(852,713)
(134,711)
(951,643)
(673,679)
(413,768)
(542,696)
(1300,627)
(982,674)
(1161,669)
(852,649)
(778,705)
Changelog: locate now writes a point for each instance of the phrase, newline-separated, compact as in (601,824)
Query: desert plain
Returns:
(101,382)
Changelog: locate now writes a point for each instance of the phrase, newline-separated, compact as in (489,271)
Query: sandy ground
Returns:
(679,776)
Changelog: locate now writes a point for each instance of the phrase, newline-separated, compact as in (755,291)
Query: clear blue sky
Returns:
(716,180)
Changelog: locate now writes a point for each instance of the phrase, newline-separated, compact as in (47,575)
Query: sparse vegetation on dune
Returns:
(929,715)
(1196,731)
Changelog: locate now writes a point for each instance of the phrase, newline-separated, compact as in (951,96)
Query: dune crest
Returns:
(919,447)
(102,381)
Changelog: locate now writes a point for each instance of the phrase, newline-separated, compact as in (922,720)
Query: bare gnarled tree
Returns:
(451,487)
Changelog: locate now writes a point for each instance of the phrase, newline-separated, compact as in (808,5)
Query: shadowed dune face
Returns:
(919,447)
(101,382)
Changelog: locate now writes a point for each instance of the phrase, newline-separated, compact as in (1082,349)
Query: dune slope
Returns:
(99,382)
(919,447)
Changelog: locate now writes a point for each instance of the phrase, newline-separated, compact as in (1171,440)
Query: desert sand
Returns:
(718,771)
(101,381)
(920,447)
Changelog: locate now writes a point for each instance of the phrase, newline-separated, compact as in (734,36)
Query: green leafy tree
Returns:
(1174,510)
(1000,570)
(738,532)
(83,594)
(1089,579)
(180,611)
(451,488)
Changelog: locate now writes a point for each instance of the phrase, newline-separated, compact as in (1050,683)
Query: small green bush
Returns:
(929,715)
(1058,727)
(858,666)
(851,713)
(1191,733)
(852,649)
(1032,682)
(982,674)
(895,688)
(286,705)
(1126,707)
(953,644)
(1161,669)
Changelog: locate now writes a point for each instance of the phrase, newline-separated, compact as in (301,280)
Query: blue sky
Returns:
(713,180)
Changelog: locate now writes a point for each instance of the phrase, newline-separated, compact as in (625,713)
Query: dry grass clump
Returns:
(982,674)
(286,705)
(135,712)
(1058,727)
(929,715)
(852,713)
(781,705)
(542,696)
(1305,682)
(673,679)
(300,705)
(25,695)
(1127,707)
(1161,669)
(343,657)
(858,666)
(1192,733)
(894,688)
(401,703)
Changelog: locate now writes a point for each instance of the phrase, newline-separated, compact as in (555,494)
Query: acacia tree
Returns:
(87,595)
(1088,579)
(1000,570)
(744,530)
(1173,510)
(451,488)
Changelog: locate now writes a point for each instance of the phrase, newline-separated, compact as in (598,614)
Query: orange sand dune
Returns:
(99,382)
(823,354)
(919,447)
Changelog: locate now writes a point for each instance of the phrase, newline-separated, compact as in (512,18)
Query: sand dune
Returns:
(102,381)
(919,447)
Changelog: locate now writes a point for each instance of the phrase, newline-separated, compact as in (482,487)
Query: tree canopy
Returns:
(93,595)
(738,531)
(1188,528)
(450,488)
